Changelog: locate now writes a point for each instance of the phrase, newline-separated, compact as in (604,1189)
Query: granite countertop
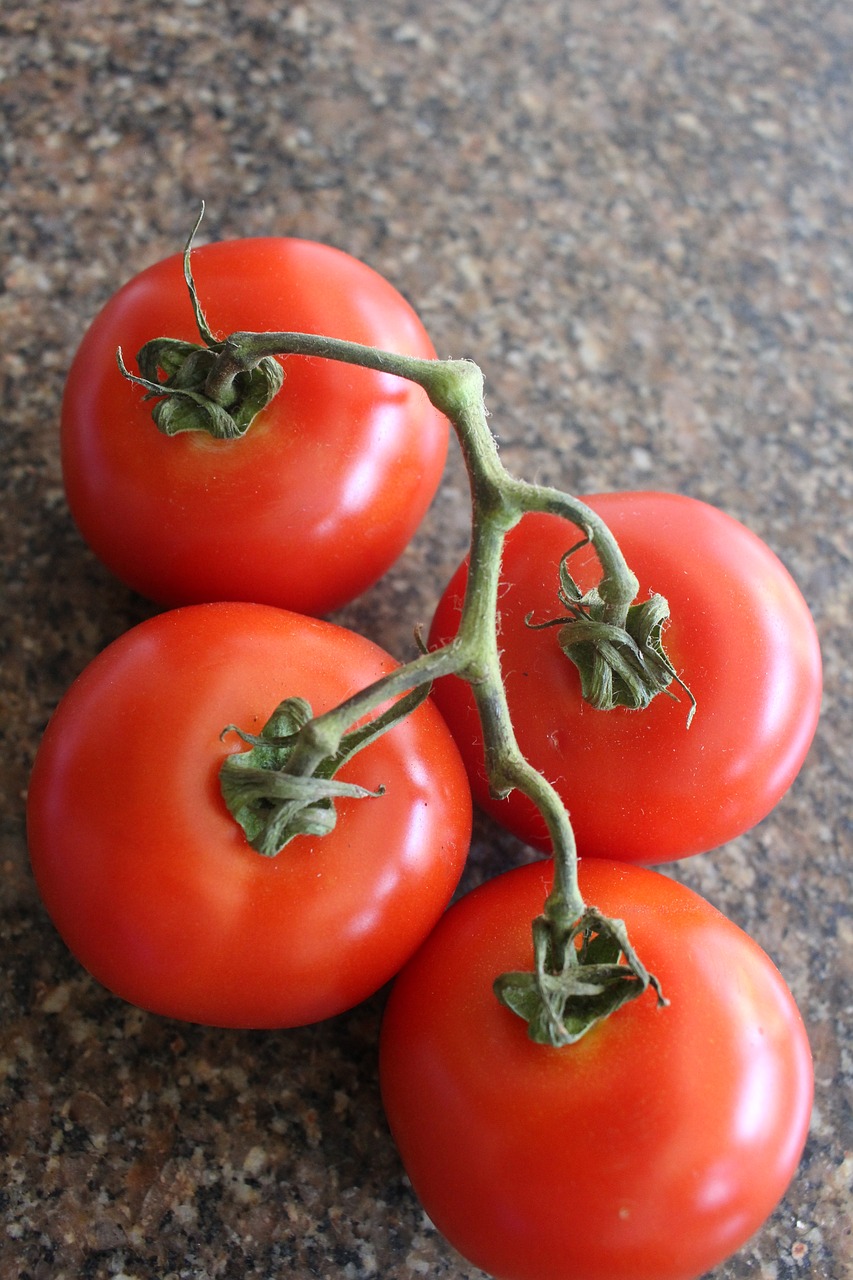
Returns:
(637,217)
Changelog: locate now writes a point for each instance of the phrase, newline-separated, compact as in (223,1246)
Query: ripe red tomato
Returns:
(150,881)
(641,786)
(325,490)
(649,1150)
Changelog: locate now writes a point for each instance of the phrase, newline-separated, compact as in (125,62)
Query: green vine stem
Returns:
(585,966)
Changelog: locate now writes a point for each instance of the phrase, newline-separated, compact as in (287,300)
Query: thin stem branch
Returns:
(619,585)
(321,737)
(242,351)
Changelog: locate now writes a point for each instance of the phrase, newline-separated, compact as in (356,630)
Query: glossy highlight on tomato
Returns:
(641,785)
(654,1147)
(150,881)
(327,487)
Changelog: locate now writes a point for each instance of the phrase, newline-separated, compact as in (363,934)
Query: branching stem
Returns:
(585,966)
(498,502)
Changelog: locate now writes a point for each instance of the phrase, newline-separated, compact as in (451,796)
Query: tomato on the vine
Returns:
(331,480)
(642,786)
(151,882)
(651,1149)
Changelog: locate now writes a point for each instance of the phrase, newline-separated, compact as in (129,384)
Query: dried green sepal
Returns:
(273,805)
(619,665)
(580,976)
(175,373)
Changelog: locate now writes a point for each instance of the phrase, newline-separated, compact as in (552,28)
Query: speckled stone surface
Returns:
(637,216)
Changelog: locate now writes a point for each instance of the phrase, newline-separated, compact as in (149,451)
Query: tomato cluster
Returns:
(538,1163)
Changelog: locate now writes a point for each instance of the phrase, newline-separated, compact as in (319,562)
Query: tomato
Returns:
(651,1149)
(151,882)
(641,785)
(330,482)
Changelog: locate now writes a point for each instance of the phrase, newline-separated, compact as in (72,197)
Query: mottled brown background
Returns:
(637,216)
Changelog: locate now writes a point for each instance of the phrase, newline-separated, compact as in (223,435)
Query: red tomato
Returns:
(324,491)
(151,882)
(641,786)
(649,1150)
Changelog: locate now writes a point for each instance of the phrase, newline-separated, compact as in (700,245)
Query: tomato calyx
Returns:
(177,376)
(182,402)
(272,799)
(582,974)
(620,657)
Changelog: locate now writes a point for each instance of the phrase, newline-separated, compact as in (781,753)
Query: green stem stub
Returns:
(581,975)
(621,660)
(274,805)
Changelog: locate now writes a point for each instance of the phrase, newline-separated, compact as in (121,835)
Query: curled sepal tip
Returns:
(580,976)
(274,804)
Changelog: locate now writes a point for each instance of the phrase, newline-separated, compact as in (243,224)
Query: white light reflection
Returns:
(365,477)
(408,865)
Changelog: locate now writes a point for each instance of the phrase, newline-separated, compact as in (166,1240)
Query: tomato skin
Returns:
(641,786)
(328,485)
(152,884)
(650,1150)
